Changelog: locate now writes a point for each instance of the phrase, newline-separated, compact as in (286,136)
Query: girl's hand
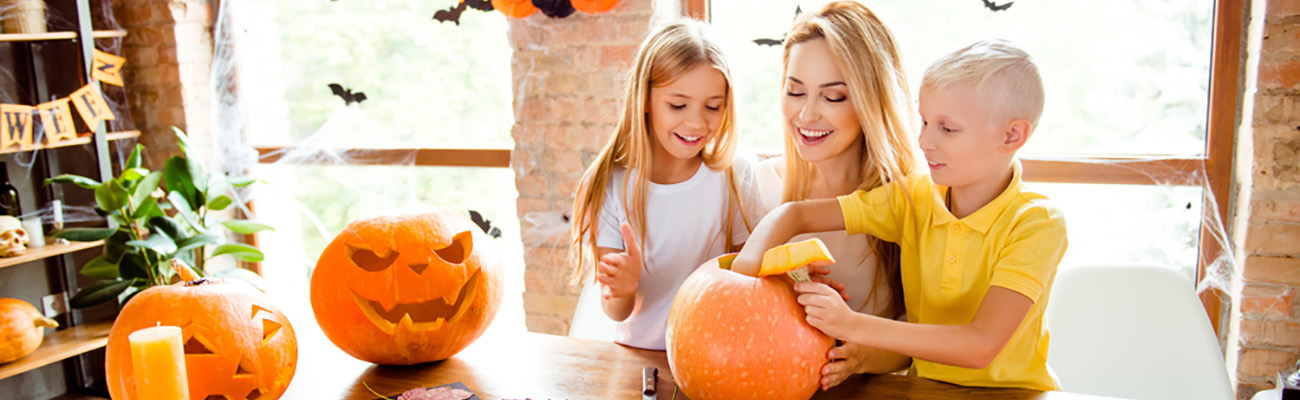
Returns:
(819,273)
(845,360)
(826,310)
(620,273)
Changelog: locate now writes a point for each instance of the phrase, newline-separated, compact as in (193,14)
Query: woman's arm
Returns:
(783,223)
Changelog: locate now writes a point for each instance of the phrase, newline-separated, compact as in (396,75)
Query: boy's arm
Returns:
(783,223)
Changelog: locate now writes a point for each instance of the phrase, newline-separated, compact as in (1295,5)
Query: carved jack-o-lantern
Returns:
(237,345)
(406,287)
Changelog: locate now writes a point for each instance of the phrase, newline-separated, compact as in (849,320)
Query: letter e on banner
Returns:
(16,126)
(90,104)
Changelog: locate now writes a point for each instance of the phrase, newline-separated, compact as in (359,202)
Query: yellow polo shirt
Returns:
(948,264)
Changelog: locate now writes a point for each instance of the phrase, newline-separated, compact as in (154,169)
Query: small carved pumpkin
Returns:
(21,329)
(732,336)
(515,8)
(237,345)
(593,6)
(407,287)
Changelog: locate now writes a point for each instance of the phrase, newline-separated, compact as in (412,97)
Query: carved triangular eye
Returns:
(245,367)
(456,252)
(196,346)
(366,259)
(216,397)
(269,329)
(418,268)
(254,395)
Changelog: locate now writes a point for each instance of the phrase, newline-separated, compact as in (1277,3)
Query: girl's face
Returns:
(818,111)
(685,113)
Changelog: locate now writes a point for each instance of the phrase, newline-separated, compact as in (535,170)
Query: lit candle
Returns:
(158,364)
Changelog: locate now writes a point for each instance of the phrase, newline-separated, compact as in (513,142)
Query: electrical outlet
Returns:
(54,305)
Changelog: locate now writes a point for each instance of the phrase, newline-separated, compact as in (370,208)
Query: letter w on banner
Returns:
(107,68)
(16,126)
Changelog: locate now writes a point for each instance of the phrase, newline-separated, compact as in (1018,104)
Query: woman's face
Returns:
(817,107)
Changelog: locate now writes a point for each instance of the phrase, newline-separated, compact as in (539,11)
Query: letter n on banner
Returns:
(16,126)
(56,117)
(91,105)
(107,68)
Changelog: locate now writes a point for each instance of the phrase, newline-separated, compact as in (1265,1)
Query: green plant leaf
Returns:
(184,211)
(130,293)
(180,181)
(246,227)
(196,241)
(115,246)
(146,209)
(133,161)
(133,174)
(110,196)
(198,178)
(145,187)
(133,265)
(75,179)
(99,293)
(246,276)
(83,234)
(239,251)
(160,244)
(100,268)
(243,181)
(169,227)
(220,203)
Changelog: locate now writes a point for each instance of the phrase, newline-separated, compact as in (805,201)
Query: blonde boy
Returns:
(979,253)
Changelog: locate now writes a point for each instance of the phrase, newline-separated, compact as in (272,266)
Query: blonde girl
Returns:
(662,197)
(845,107)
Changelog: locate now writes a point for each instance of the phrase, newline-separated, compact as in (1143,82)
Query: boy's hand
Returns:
(620,273)
(820,274)
(826,310)
(844,361)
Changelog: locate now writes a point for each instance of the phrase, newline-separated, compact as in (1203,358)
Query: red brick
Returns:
(564,82)
(548,324)
(566,109)
(1275,238)
(600,110)
(1279,270)
(1280,39)
(1272,109)
(523,161)
(531,185)
(1276,210)
(566,185)
(1283,8)
(617,57)
(565,161)
(1273,333)
(525,205)
(600,29)
(1280,74)
(1248,389)
(1270,301)
(1265,363)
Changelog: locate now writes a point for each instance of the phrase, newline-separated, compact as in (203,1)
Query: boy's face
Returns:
(685,113)
(964,142)
(817,107)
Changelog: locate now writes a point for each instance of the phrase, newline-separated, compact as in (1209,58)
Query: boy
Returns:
(978,252)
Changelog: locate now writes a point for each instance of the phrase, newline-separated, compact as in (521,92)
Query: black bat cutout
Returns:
(989,4)
(484,224)
(555,8)
(347,95)
(769,42)
(451,14)
(481,5)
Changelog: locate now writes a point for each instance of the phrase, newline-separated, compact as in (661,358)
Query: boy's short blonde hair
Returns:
(1006,75)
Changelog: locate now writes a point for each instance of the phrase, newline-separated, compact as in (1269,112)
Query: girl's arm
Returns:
(619,275)
(972,345)
(784,222)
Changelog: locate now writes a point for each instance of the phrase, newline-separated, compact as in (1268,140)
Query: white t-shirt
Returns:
(684,229)
(855,260)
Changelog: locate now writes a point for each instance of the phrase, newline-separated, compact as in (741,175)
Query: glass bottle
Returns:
(9,203)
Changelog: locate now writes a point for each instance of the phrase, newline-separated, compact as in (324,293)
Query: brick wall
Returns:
(1270,314)
(169,52)
(568,80)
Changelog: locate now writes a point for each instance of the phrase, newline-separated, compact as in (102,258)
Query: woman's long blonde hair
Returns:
(667,53)
(865,51)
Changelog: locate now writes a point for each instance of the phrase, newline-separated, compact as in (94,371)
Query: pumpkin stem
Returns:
(186,273)
(42,322)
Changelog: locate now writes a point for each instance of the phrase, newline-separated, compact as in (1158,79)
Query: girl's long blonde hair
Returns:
(865,51)
(667,53)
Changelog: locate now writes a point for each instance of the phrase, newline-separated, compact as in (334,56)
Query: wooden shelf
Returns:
(52,36)
(78,396)
(61,346)
(72,142)
(47,251)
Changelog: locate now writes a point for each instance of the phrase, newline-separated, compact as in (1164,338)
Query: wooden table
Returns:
(518,365)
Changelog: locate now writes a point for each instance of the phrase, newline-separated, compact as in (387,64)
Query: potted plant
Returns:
(154,217)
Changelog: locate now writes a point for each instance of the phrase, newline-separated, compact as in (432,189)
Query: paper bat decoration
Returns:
(347,95)
(484,224)
(554,8)
(989,4)
(453,14)
(777,42)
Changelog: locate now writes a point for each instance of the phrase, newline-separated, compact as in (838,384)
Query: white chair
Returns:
(1137,332)
(589,320)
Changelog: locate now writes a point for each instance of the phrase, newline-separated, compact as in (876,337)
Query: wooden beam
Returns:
(490,158)
(1115,170)
(698,9)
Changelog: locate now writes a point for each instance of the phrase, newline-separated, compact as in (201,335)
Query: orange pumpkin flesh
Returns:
(732,336)
(407,287)
(515,8)
(593,6)
(21,329)
(237,345)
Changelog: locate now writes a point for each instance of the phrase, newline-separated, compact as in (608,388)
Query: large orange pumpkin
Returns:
(593,6)
(21,329)
(515,8)
(732,336)
(237,345)
(407,287)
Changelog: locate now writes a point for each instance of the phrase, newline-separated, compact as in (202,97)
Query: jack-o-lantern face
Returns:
(407,287)
(237,346)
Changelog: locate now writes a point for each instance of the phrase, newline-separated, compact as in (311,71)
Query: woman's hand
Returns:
(619,273)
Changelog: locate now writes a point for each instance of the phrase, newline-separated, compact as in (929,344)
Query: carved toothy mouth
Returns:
(424,316)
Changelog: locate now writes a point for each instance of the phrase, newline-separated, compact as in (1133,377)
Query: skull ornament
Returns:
(13,238)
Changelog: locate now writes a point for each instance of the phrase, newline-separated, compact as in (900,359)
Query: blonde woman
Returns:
(662,197)
(846,108)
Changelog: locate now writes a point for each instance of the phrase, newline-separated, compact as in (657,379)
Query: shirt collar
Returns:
(982,219)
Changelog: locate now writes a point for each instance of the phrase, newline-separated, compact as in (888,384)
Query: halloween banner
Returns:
(17,122)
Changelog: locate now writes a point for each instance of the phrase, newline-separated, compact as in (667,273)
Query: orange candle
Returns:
(158,364)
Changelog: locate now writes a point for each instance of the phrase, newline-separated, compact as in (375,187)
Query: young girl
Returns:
(845,106)
(662,197)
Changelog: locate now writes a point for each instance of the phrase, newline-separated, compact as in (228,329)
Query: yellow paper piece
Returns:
(16,126)
(107,68)
(56,118)
(91,105)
